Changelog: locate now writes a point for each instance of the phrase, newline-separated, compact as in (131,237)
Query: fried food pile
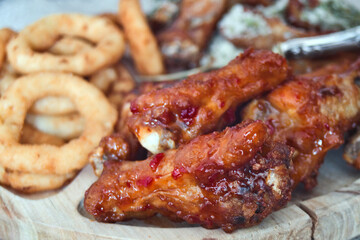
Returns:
(199,180)
(203,102)
(205,162)
(54,78)
(222,149)
(311,113)
(227,179)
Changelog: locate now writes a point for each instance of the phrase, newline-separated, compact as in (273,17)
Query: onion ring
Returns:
(66,127)
(29,182)
(125,82)
(104,78)
(31,135)
(143,45)
(5,35)
(99,115)
(113,17)
(53,106)
(69,46)
(7,73)
(60,105)
(43,34)
(113,79)
(49,105)
(7,77)
(32,182)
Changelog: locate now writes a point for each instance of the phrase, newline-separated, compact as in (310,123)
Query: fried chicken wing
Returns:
(311,114)
(118,146)
(352,151)
(122,144)
(228,179)
(245,28)
(322,16)
(203,102)
(293,13)
(183,42)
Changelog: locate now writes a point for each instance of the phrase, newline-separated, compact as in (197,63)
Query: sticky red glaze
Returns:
(165,117)
(178,172)
(206,102)
(216,180)
(222,104)
(229,116)
(145,181)
(154,163)
(329,91)
(309,114)
(187,114)
(134,108)
(269,123)
(209,173)
(115,147)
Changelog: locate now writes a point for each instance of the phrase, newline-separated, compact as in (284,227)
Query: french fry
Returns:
(143,45)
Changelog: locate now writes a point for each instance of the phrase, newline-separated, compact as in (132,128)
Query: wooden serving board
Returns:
(330,211)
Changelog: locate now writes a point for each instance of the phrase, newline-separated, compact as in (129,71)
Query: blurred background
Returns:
(226,41)
(16,14)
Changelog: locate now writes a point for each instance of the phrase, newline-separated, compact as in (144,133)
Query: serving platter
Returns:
(329,211)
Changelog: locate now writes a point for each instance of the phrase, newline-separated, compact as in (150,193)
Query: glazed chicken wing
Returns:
(203,102)
(183,42)
(311,114)
(352,151)
(122,144)
(322,16)
(228,179)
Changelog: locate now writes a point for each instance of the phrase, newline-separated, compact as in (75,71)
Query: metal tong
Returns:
(308,47)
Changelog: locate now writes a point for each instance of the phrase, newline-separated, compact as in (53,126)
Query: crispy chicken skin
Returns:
(228,179)
(352,150)
(183,42)
(203,102)
(311,114)
(122,144)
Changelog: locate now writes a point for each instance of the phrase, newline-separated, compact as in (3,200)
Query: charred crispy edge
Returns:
(279,156)
(352,151)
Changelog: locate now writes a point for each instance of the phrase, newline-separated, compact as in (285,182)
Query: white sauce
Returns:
(151,140)
(151,6)
(325,16)
(239,23)
(221,52)
(275,10)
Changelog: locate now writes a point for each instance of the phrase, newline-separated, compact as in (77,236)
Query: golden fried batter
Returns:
(228,179)
(311,113)
(203,102)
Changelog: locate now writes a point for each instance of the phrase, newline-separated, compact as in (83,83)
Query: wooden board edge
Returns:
(287,223)
(19,216)
(335,215)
